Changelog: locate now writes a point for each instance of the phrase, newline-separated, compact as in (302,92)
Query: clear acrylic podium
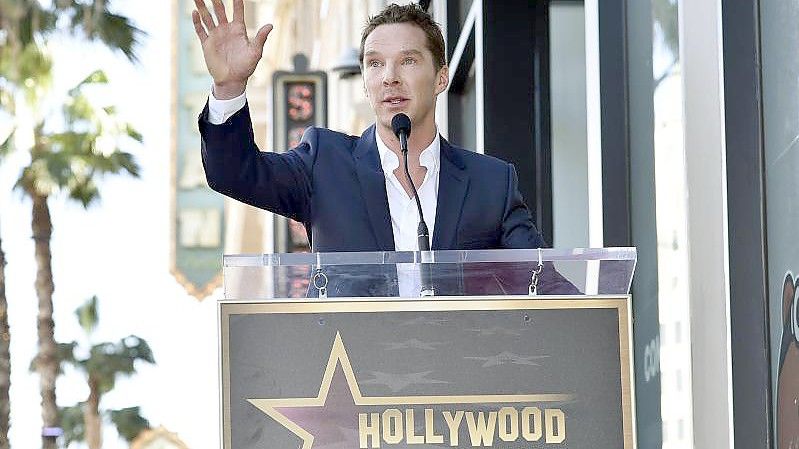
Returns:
(601,271)
(516,349)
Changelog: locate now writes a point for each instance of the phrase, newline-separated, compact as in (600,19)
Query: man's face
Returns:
(399,74)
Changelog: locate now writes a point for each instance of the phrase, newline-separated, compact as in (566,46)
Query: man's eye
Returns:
(374,63)
(410,60)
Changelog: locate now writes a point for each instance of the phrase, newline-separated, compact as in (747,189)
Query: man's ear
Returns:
(442,79)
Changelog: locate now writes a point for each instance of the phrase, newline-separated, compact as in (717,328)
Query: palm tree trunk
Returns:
(46,361)
(91,417)
(5,358)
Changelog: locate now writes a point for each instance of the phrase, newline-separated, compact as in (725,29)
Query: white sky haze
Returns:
(119,251)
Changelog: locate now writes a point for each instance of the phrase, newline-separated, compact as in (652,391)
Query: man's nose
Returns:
(390,76)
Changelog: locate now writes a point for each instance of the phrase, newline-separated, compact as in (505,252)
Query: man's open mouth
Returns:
(395,100)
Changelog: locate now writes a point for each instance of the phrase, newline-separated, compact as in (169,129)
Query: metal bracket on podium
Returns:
(536,276)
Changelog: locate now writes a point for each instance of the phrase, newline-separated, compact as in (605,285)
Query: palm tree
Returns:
(5,331)
(25,20)
(5,357)
(6,146)
(26,25)
(67,161)
(105,362)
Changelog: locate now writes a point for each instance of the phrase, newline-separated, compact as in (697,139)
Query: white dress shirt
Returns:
(404,213)
(402,207)
(221,110)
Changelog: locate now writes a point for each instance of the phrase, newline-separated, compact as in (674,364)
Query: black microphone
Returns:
(401,125)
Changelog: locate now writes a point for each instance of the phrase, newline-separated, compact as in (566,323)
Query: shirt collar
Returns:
(429,158)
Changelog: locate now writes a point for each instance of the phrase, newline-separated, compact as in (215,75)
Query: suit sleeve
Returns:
(518,230)
(278,182)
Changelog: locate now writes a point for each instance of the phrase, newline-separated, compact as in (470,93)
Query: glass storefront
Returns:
(780,84)
(569,127)
(671,210)
(658,189)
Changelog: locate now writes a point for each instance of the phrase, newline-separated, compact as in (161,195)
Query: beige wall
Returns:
(322,30)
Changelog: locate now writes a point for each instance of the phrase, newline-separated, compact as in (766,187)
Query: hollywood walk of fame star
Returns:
(397,382)
(412,344)
(424,321)
(508,357)
(494,331)
(328,420)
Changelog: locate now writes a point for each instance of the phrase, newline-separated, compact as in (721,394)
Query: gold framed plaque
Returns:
(504,372)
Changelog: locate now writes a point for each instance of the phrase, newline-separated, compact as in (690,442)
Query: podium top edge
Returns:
(622,254)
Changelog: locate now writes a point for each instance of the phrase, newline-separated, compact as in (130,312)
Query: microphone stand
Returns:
(423,234)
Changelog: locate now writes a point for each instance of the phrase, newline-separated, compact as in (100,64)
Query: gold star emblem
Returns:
(330,418)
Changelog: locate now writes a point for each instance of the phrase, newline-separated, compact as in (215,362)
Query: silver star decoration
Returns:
(397,382)
(425,321)
(509,357)
(495,331)
(412,344)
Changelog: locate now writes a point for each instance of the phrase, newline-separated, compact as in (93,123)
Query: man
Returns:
(351,192)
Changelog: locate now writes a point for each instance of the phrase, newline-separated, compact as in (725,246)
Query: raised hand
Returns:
(231,57)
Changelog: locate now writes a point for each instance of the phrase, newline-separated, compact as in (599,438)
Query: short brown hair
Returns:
(411,13)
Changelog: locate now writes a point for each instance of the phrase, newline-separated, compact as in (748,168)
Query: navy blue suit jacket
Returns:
(334,185)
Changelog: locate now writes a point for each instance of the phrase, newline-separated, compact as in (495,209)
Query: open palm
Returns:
(230,55)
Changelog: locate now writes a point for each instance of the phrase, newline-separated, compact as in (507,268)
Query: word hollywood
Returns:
(341,416)
(507,424)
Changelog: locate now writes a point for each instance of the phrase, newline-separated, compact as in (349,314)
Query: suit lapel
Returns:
(373,189)
(452,186)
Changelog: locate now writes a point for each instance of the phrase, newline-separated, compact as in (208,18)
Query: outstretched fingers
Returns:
(260,37)
(219,10)
(198,26)
(238,11)
(205,15)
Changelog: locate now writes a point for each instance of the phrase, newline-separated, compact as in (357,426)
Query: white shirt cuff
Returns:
(221,110)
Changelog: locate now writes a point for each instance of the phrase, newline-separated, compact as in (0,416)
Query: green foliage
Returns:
(72,160)
(6,95)
(29,21)
(133,134)
(65,355)
(71,419)
(87,315)
(108,360)
(115,31)
(6,146)
(27,70)
(129,422)
(105,363)
(26,19)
